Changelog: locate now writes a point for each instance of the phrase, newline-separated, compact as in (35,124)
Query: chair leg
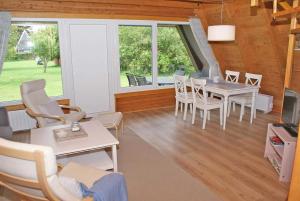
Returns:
(122,124)
(194,114)
(117,132)
(255,113)
(181,106)
(185,110)
(191,108)
(229,108)
(221,115)
(176,108)
(204,119)
(242,112)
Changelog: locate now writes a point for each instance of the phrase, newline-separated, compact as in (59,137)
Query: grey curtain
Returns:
(5,22)
(199,49)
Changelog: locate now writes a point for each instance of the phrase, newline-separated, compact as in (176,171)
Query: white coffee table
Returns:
(86,150)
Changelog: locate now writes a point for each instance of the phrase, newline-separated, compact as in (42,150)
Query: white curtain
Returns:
(210,62)
(5,22)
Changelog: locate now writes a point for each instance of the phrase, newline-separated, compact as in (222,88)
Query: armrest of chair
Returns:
(75,108)
(59,118)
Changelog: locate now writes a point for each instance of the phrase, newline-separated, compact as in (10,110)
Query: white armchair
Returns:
(46,111)
(30,171)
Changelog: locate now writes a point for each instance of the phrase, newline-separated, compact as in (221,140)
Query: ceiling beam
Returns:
(287,12)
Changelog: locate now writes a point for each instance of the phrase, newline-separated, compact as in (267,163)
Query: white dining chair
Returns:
(230,77)
(245,99)
(203,102)
(182,96)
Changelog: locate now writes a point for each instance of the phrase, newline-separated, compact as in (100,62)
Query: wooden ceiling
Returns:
(145,9)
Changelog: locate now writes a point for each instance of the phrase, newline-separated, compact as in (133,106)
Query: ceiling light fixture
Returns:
(221,32)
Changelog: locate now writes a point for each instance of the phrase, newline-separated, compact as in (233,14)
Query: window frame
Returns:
(113,31)
(154,25)
(41,20)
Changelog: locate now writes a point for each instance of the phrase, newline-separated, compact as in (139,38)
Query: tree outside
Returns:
(38,63)
(45,45)
(136,52)
(172,53)
(136,49)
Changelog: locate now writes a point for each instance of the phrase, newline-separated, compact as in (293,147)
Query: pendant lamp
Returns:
(221,32)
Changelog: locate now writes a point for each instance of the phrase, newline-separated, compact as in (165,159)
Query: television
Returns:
(291,111)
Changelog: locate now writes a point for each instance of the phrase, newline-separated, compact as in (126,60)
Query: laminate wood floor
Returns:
(230,162)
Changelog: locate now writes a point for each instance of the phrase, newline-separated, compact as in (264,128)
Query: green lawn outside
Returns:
(16,72)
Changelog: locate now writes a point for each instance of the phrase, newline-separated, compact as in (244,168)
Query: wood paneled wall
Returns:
(144,100)
(295,83)
(260,47)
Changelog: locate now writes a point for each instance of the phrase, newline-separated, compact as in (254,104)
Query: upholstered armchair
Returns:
(47,112)
(31,172)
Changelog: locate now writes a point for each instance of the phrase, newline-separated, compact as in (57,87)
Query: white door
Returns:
(90,68)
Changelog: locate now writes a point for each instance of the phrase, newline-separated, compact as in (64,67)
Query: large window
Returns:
(135,43)
(150,55)
(172,55)
(33,53)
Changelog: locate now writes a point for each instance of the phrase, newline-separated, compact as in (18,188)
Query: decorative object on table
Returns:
(221,32)
(75,127)
(216,79)
(64,134)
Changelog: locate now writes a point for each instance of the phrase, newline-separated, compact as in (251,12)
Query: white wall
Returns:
(86,48)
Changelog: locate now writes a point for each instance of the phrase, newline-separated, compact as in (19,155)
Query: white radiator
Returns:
(19,120)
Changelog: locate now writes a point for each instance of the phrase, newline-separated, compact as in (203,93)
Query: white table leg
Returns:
(253,106)
(225,111)
(115,158)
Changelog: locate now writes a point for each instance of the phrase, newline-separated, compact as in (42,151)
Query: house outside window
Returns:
(33,53)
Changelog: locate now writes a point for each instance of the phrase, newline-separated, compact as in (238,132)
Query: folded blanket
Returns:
(111,187)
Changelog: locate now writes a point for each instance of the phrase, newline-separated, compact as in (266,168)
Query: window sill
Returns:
(143,88)
(18,105)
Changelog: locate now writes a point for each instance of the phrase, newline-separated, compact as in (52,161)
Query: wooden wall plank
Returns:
(260,47)
(294,193)
(145,100)
(100,8)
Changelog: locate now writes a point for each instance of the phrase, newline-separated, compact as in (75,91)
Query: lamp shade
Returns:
(221,33)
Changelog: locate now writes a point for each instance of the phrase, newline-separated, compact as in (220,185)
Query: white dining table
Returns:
(229,89)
